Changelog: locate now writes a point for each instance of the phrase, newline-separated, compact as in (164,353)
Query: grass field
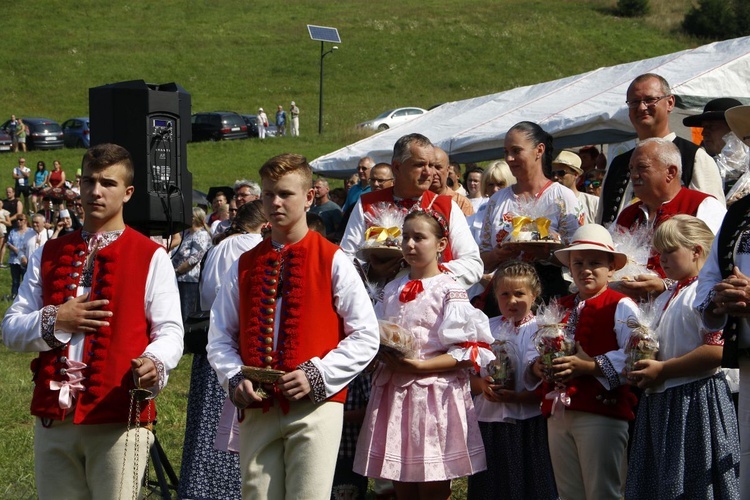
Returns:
(240,55)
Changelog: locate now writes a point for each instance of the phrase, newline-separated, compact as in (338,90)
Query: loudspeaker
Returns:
(151,121)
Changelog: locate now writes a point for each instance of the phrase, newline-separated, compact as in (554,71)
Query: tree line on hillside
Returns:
(712,19)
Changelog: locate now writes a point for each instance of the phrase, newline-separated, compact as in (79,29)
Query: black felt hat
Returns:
(714,110)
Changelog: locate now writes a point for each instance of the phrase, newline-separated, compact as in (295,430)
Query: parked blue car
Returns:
(76,132)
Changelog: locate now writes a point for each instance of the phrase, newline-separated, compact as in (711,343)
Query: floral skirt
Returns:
(686,444)
(518,463)
(206,472)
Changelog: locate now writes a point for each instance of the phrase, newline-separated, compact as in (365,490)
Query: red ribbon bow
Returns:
(411,290)
(474,350)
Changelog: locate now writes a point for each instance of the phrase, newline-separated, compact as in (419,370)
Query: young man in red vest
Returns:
(101,307)
(294,303)
(655,172)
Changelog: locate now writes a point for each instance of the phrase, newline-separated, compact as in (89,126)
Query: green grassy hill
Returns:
(240,55)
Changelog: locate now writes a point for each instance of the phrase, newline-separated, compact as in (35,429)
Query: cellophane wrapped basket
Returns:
(643,342)
(552,340)
(396,339)
(503,368)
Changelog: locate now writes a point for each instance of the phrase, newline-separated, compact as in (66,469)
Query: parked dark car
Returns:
(218,126)
(43,133)
(252,126)
(76,132)
(6,143)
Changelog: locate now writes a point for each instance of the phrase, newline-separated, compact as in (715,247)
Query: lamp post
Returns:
(322,56)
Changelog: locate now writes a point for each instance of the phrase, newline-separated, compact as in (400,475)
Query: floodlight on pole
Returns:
(323,34)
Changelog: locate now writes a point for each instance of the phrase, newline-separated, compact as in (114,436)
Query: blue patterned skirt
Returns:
(518,463)
(206,473)
(686,444)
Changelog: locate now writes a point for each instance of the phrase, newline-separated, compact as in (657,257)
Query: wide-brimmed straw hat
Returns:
(714,110)
(738,119)
(592,237)
(569,159)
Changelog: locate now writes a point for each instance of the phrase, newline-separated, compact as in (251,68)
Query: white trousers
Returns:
(87,461)
(588,455)
(295,126)
(290,456)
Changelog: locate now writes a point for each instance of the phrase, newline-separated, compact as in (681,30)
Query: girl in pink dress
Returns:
(420,429)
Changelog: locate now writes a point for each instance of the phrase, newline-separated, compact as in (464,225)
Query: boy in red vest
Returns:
(293,303)
(587,440)
(101,307)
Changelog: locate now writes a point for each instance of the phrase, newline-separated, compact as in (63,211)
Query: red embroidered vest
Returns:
(309,324)
(120,274)
(686,202)
(440,204)
(595,332)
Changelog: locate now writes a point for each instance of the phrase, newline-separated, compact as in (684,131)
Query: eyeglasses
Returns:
(593,184)
(559,173)
(232,209)
(650,102)
(373,180)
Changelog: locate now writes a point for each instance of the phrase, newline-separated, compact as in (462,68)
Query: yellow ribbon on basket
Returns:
(381,234)
(542,225)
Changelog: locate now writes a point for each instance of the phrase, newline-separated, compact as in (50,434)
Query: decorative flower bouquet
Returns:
(643,343)
(396,339)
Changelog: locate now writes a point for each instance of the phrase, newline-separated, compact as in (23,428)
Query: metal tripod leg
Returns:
(162,465)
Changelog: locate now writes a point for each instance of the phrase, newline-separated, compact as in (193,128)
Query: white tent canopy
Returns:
(583,109)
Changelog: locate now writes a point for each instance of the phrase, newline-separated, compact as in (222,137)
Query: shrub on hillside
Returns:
(632,8)
(718,19)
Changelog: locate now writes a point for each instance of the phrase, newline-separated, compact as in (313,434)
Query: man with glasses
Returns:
(381,177)
(650,101)
(245,191)
(566,169)
(357,190)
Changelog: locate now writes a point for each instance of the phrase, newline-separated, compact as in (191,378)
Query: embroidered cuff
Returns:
(704,305)
(605,365)
(49,317)
(713,338)
(315,379)
(160,371)
(233,383)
